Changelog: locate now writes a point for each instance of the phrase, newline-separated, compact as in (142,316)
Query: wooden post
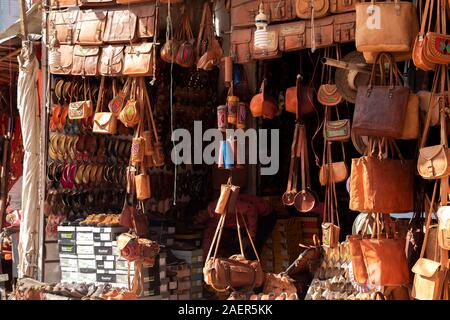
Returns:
(23,20)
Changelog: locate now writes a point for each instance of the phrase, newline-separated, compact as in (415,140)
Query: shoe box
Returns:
(67,235)
(190,256)
(107,234)
(68,261)
(105,262)
(85,235)
(106,276)
(69,274)
(105,248)
(87,263)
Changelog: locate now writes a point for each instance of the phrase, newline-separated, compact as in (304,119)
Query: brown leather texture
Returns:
(146,15)
(292,36)
(90,27)
(263,105)
(272,51)
(425,101)
(398,27)
(330,234)
(411,126)
(243,12)
(63,3)
(358,264)
(306,99)
(324,32)
(64,23)
(434,162)
(104,123)
(339,6)
(66,64)
(344,27)
(242,45)
(139,60)
(304,8)
(433,52)
(85,60)
(111,60)
(328,95)
(428,280)
(384,185)
(92,3)
(340,172)
(120,26)
(143,191)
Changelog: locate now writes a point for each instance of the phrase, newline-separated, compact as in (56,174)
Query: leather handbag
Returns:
(382,185)
(118,101)
(236,272)
(82,109)
(380,109)
(64,23)
(143,190)
(66,62)
(243,12)
(436,44)
(337,130)
(443,215)
(139,59)
(146,19)
(304,8)
(418,54)
(429,275)
(328,95)
(279,283)
(434,161)
(242,45)
(271,51)
(129,115)
(186,52)
(292,36)
(344,26)
(339,6)
(306,99)
(209,52)
(320,32)
(85,60)
(386,26)
(57,4)
(111,60)
(411,125)
(90,27)
(262,105)
(381,252)
(137,147)
(104,122)
(339,169)
(120,26)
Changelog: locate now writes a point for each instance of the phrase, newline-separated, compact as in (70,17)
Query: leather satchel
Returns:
(146,18)
(66,62)
(64,23)
(104,122)
(380,110)
(262,105)
(139,59)
(386,26)
(339,6)
(320,33)
(120,26)
(90,27)
(111,60)
(436,44)
(292,36)
(304,8)
(272,50)
(242,45)
(82,109)
(243,12)
(337,130)
(344,26)
(418,54)
(85,60)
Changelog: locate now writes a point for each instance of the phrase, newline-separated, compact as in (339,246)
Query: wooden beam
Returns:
(23,20)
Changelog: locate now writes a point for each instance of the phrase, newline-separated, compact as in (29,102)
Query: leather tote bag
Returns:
(378,184)
(380,109)
(389,26)
(66,62)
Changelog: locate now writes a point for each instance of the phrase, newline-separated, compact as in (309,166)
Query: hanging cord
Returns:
(169,35)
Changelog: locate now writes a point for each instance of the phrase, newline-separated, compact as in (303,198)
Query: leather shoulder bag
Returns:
(66,62)
(111,60)
(436,44)
(242,45)
(292,36)
(90,27)
(271,51)
(139,59)
(104,122)
(209,52)
(146,19)
(129,115)
(82,109)
(418,54)
(85,60)
(186,52)
(262,105)
(120,26)
(64,23)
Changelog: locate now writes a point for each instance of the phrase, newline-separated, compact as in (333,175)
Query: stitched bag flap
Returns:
(241,36)
(112,55)
(145,11)
(66,55)
(426,267)
(322,22)
(93,15)
(346,20)
(144,48)
(63,17)
(123,19)
(103,118)
(123,240)
(337,124)
(430,152)
(83,51)
(77,106)
(292,29)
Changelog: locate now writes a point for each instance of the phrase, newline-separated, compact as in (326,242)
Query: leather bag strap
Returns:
(428,222)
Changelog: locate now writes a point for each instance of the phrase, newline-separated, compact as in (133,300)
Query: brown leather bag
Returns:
(104,122)
(186,52)
(418,54)
(85,60)
(339,170)
(120,26)
(82,109)
(320,32)
(304,8)
(292,36)
(411,125)
(337,130)
(339,6)
(262,105)
(380,109)
(389,27)
(272,50)
(66,62)
(242,45)
(209,52)
(111,60)
(381,185)
(90,27)
(344,26)
(306,99)
(243,12)
(143,191)
(139,59)
(130,115)
(64,23)
(235,272)
(436,48)
(63,3)
(146,19)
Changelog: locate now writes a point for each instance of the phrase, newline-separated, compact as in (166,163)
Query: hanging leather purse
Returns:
(262,105)
(85,61)
(82,109)
(339,169)
(328,95)
(418,54)
(272,50)
(429,274)
(139,59)
(242,45)
(66,62)
(118,101)
(388,117)
(209,52)
(429,100)
(120,26)
(306,98)
(434,161)
(111,61)
(137,146)
(90,27)
(436,44)
(337,130)
(292,36)
(129,115)
(146,19)
(143,191)
(64,23)
(104,122)
(186,52)
(304,8)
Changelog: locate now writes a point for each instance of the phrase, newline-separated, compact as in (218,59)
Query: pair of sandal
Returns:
(68,290)
(101,220)
(273,296)
(118,294)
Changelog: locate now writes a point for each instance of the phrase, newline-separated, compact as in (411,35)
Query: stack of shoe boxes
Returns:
(68,261)
(194,258)
(163,232)
(180,281)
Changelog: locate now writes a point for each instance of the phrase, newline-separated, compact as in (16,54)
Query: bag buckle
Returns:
(431,169)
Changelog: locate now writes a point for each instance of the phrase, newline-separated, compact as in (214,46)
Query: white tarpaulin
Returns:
(28,105)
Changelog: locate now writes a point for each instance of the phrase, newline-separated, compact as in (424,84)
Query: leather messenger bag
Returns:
(64,23)
(120,26)
(90,27)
